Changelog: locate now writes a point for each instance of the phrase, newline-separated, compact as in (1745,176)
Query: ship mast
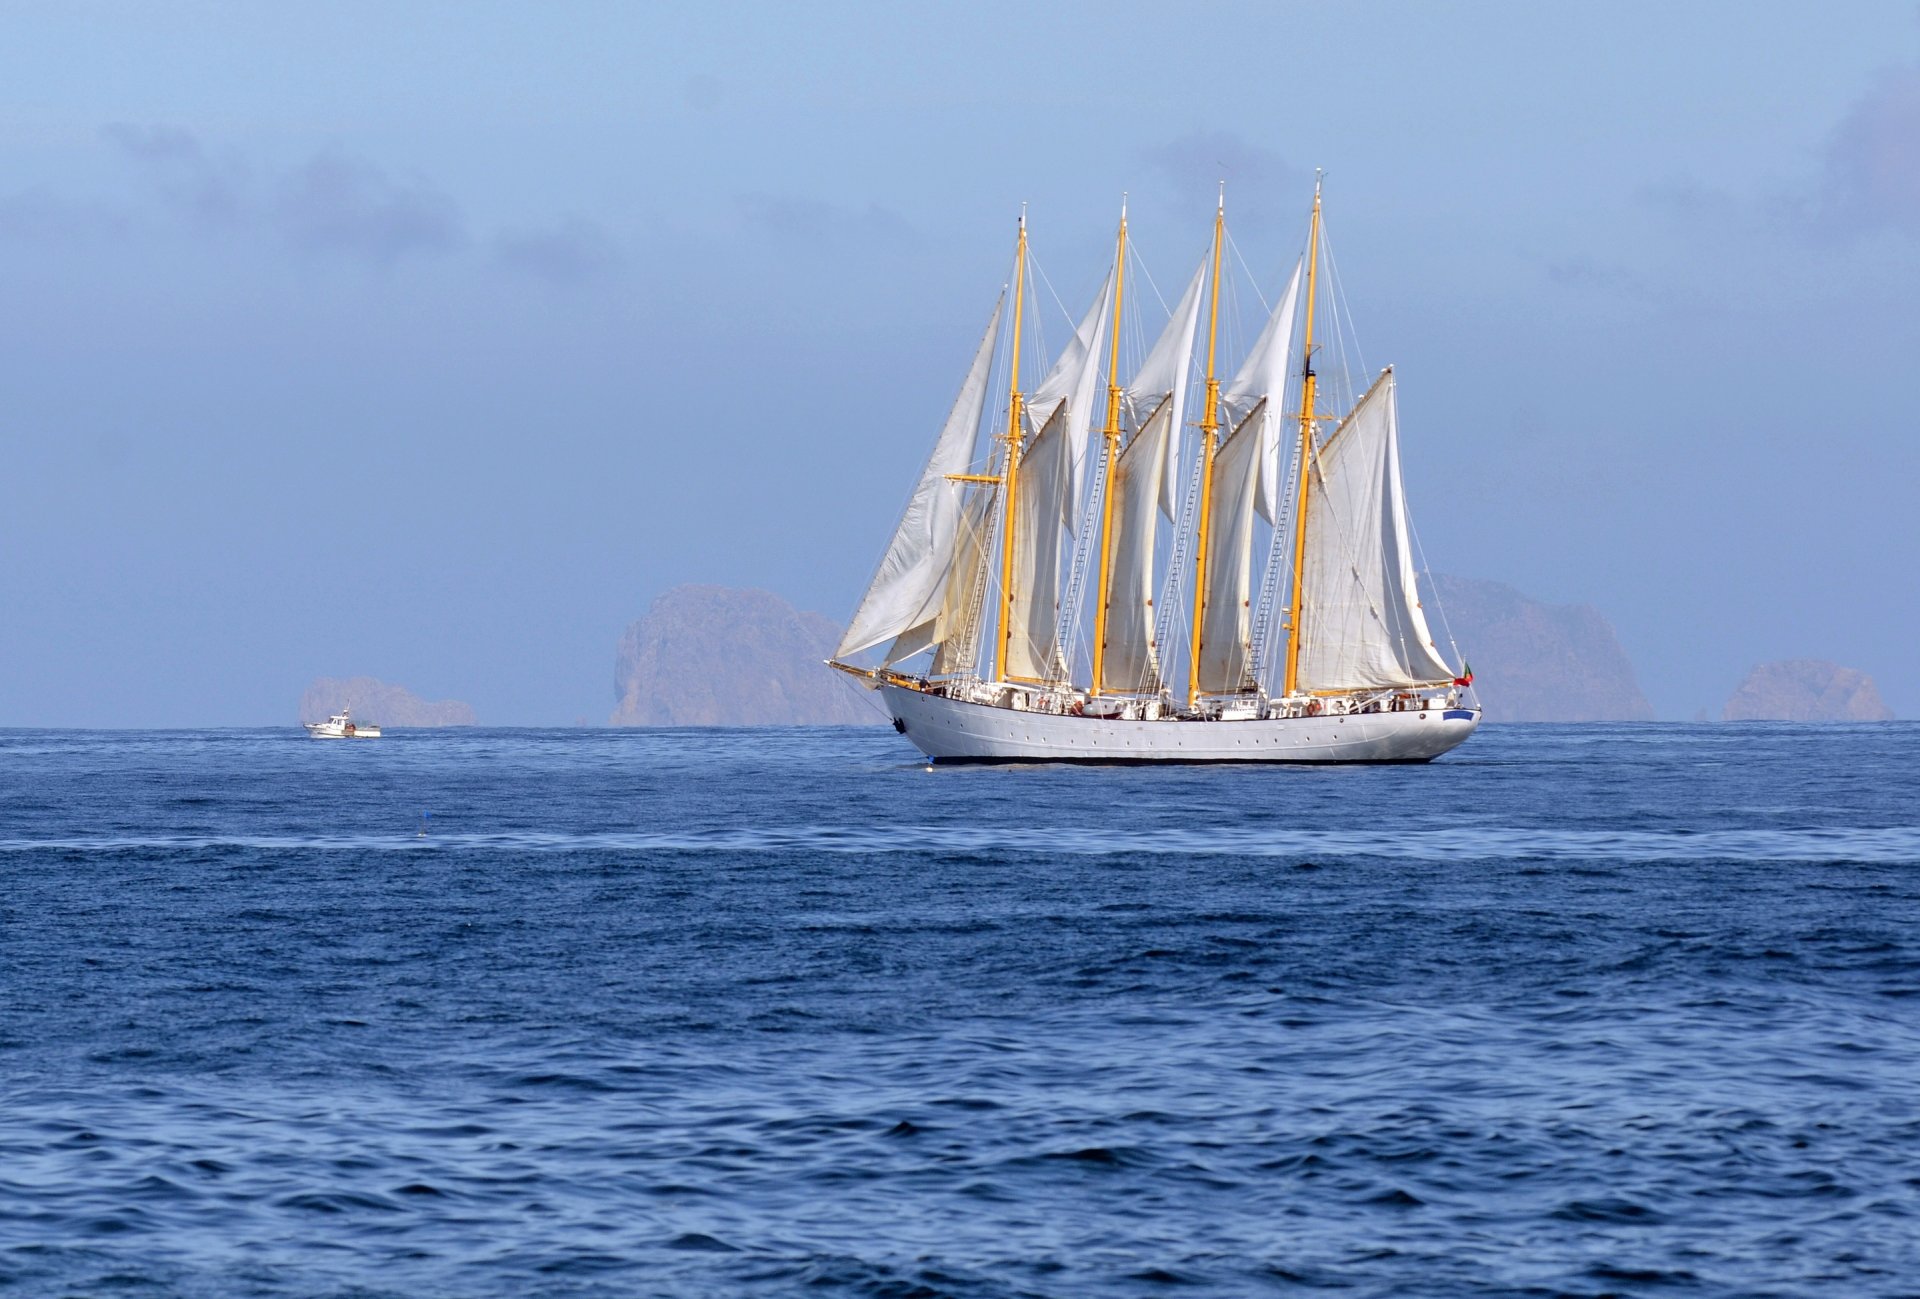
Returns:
(1012,472)
(1112,432)
(1209,427)
(1292,679)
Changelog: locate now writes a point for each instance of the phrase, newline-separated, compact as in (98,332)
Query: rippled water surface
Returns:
(1577,1010)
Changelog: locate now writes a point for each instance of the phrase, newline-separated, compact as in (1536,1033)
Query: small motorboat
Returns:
(341,726)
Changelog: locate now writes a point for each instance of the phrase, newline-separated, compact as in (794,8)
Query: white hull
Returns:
(341,726)
(955,730)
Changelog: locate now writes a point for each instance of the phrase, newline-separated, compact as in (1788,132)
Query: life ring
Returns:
(1313,709)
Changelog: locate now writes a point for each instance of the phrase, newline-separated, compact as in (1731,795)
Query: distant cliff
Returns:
(1536,662)
(380,703)
(714,656)
(1806,690)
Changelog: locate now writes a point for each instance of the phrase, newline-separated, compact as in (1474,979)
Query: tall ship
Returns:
(1086,576)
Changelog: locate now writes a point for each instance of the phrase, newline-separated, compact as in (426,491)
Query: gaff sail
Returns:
(1362,624)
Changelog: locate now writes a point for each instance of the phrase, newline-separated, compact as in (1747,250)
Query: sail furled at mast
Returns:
(956,634)
(1164,374)
(1059,411)
(1069,387)
(1226,624)
(1263,377)
(1145,484)
(1130,659)
(903,602)
(1245,481)
(1362,624)
(1039,521)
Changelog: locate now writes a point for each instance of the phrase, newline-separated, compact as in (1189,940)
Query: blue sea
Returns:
(1579,1010)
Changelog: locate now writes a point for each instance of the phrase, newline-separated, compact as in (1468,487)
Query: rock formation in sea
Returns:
(716,656)
(1535,662)
(379,702)
(1806,690)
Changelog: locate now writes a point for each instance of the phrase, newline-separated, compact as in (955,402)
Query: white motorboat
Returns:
(1312,646)
(341,726)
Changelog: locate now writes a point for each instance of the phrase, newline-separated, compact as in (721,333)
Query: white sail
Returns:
(1040,506)
(1129,658)
(1071,381)
(1362,625)
(1263,377)
(903,601)
(1164,374)
(954,650)
(1226,623)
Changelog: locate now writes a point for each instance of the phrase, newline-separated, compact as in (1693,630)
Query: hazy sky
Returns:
(432,341)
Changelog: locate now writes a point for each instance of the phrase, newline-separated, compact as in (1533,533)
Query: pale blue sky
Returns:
(432,341)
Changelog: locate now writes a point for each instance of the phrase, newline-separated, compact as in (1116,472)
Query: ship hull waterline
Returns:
(956,730)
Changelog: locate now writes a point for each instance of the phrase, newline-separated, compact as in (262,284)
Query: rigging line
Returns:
(1138,265)
(1246,270)
(1231,329)
(1039,317)
(1345,311)
(1343,386)
(993,416)
(869,697)
(1440,605)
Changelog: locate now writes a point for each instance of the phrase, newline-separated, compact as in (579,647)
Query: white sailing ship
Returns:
(341,726)
(1002,553)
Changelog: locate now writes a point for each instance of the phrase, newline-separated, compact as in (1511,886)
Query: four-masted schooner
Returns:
(996,563)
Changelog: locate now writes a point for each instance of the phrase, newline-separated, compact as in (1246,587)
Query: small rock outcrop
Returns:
(1806,690)
(716,656)
(380,703)
(1535,662)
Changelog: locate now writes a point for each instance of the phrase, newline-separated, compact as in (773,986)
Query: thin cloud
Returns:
(1686,201)
(338,203)
(571,252)
(335,203)
(788,219)
(1602,279)
(167,143)
(39,216)
(188,178)
(703,92)
(1262,186)
(1870,174)
(1588,273)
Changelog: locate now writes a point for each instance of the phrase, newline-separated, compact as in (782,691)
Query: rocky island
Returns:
(380,702)
(1535,662)
(1806,690)
(716,656)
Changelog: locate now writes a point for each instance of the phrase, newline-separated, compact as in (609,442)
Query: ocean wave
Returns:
(1881,846)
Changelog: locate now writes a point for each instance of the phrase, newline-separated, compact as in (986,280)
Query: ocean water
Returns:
(1576,1010)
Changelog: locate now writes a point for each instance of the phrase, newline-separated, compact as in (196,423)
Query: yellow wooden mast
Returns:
(1209,427)
(1011,474)
(1112,432)
(1292,679)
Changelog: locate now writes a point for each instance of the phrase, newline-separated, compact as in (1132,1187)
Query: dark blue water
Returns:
(1578,1010)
